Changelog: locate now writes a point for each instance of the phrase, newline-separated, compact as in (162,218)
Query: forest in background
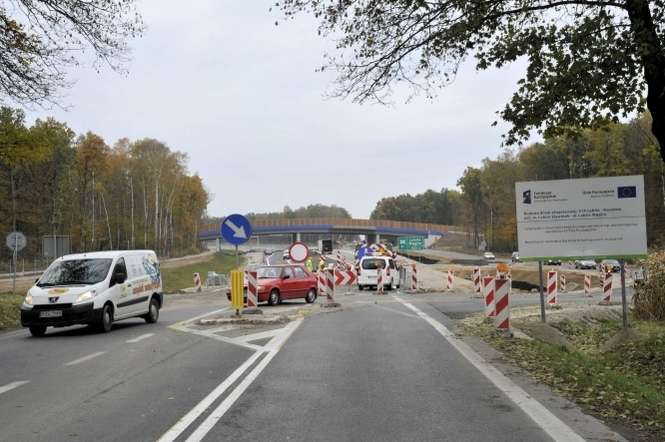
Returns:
(485,204)
(134,194)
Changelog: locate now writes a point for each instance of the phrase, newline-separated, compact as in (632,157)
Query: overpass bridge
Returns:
(299,228)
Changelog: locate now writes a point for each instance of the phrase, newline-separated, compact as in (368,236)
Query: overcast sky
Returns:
(219,81)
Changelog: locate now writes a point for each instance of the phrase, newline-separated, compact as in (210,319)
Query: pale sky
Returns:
(219,81)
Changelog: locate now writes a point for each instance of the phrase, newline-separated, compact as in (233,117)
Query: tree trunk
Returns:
(108,223)
(145,216)
(131,217)
(652,56)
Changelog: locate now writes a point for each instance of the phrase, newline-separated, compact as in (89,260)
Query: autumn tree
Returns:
(41,39)
(587,61)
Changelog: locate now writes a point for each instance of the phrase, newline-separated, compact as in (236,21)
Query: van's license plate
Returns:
(50,314)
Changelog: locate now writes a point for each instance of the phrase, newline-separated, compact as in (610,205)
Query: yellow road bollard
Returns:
(237,289)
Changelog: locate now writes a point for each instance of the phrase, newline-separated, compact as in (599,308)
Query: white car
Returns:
(368,273)
(96,288)
(489,257)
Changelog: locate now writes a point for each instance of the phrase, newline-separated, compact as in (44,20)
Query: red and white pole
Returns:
(451,281)
(197,282)
(414,277)
(552,291)
(563,283)
(379,282)
(252,290)
(502,304)
(477,286)
(607,289)
(587,285)
(488,294)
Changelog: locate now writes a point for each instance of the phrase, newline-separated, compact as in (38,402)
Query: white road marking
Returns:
(84,358)
(176,430)
(260,335)
(202,316)
(210,334)
(140,338)
(544,418)
(11,386)
(383,307)
(274,346)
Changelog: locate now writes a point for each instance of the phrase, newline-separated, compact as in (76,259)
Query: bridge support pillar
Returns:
(378,238)
(295,237)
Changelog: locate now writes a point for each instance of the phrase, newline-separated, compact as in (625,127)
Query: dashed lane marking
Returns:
(84,358)
(11,386)
(544,418)
(140,338)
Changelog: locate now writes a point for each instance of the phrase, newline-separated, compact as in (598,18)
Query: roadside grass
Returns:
(179,278)
(10,314)
(625,385)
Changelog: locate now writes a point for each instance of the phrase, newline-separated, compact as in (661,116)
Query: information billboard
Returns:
(581,218)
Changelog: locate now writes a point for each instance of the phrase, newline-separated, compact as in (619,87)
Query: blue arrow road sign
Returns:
(236,229)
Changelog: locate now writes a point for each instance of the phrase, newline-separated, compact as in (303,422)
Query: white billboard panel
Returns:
(579,218)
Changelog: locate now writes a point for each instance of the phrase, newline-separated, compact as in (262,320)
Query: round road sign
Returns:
(16,240)
(298,251)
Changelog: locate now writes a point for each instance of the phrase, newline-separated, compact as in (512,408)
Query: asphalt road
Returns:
(376,370)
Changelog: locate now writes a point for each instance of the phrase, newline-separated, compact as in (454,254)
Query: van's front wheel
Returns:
(153,312)
(106,322)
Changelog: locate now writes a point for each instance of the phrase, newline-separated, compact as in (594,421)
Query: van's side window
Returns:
(120,266)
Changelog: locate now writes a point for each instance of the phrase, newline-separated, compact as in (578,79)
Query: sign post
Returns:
(582,218)
(15,241)
(236,230)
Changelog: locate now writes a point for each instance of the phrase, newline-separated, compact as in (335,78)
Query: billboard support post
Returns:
(624,306)
(542,293)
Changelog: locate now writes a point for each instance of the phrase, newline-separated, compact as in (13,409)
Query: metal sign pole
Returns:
(624,304)
(15,253)
(542,294)
(237,258)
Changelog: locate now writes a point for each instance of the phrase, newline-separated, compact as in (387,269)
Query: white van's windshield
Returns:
(75,271)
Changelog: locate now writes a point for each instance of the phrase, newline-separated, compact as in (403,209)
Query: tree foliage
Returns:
(429,207)
(310,211)
(40,39)
(588,62)
(131,195)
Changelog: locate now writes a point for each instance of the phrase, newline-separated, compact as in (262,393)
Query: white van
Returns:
(95,288)
(368,272)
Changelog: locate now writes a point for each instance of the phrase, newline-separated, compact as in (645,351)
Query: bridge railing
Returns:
(340,222)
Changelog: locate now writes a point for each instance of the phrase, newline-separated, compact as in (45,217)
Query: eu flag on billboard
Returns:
(627,192)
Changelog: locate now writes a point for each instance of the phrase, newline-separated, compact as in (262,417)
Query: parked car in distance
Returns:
(585,264)
(515,257)
(368,272)
(280,282)
(97,288)
(489,257)
(611,265)
(553,262)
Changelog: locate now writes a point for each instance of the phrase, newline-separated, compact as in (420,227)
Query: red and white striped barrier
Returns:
(607,289)
(450,286)
(502,304)
(252,290)
(414,277)
(587,285)
(602,279)
(488,294)
(330,286)
(562,285)
(552,292)
(477,286)
(321,283)
(197,282)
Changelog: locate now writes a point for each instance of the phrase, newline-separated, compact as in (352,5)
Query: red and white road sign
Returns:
(587,285)
(345,277)
(298,251)
(552,288)
(502,304)
(607,288)
(488,294)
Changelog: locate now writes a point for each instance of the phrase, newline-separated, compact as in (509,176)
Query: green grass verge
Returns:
(10,313)
(174,279)
(625,385)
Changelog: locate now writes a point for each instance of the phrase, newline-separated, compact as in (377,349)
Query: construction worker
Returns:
(309,264)
(322,263)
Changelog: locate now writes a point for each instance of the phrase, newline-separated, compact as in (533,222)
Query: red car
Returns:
(280,282)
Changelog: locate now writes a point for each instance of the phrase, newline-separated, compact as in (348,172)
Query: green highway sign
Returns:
(411,243)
